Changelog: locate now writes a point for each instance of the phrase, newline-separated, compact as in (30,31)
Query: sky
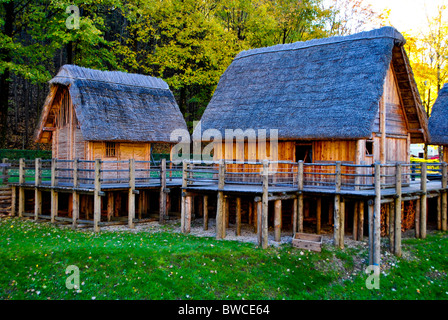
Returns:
(408,16)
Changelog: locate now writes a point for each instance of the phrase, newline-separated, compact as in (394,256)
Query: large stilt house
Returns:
(351,99)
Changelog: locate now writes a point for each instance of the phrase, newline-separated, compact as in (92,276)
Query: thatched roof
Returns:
(318,89)
(438,122)
(117,106)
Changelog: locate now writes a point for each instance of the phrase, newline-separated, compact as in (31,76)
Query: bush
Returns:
(26,154)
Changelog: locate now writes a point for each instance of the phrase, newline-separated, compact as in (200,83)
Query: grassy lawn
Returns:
(168,265)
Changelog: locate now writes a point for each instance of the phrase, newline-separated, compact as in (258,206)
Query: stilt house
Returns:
(91,114)
(438,122)
(350,99)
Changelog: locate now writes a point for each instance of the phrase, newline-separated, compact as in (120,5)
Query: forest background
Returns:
(188,43)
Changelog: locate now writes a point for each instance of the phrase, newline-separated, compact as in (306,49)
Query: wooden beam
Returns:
(417,218)
(423,201)
(238,216)
(444,196)
(278,220)
(75,194)
(131,194)
(162,197)
(361,221)
(37,192)
(337,206)
(397,205)
(53,192)
(300,183)
(97,197)
(205,214)
(21,189)
(220,202)
(294,216)
(183,198)
(377,217)
(264,211)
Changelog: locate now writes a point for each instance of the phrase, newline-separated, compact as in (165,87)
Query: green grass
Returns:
(169,265)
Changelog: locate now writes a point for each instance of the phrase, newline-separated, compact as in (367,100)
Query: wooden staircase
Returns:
(5,200)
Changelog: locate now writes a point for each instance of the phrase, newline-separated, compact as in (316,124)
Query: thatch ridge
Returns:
(438,122)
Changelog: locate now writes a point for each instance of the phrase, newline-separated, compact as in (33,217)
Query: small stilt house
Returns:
(109,115)
(350,98)
(438,122)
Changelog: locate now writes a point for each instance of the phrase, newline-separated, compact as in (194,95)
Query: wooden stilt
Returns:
(163,190)
(13,201)
(141,204)
(258,215)
(131,194)
(370,207)
(110,205)
(444,196)
(37,192)
(318,214)
(423,201)
(117,204)
(278,220)
(355,221)
(294,216)
(53,192)
(439,212)
(397,205)
(220,202)
(188,208)
(97,197)
(205,208)
(300,183)
(417,218)
(183,208)
(377,217)
(75,194)
(264,211)
(250,209)
(21,189)
(238,216)
(342,225)
(337,207)
(361,221)
(392,226)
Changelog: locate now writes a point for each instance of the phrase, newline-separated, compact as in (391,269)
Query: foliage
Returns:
(25,154)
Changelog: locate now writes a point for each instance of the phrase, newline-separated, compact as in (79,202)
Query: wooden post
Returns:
(21,189)
(370,208)
(423,201)
(392,226)
(250,206)
(141,203)
(205,208)
(37,192)
(264,208)
(188,210)
(162,206)
(258,215)
(131,195)
(361,221)
(439,211)
(300,183)
(417,218)
(75,194)
(355,221)
(54,194)
(377,217)
(278,220)
(342,224)
(337,206)
(97,197)
(221,202)
(110,205)
(183,201)
(238,216)
(318,214)
(397,205)
(444,196)
(294,216)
